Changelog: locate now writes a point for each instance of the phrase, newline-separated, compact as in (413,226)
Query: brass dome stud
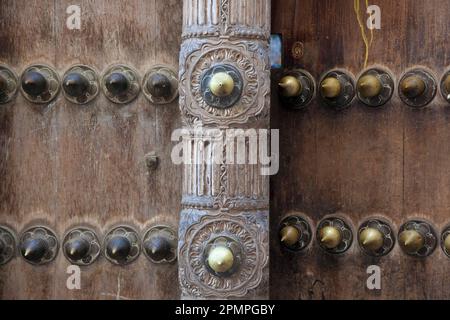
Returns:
(417,88)
(330,88)
(334,235)
(118,248)
(77,249)
(34,83)
(160,244)
(120,84)
(330,237)
(447,243)
(34,250)
(39,84)
(75,84)
(417,238)
(221,84)
(411,241)
(371,239)
(412,87)
(369,86)
(445,240)
(121,245)
(289,86)
(160,85)
(445,86)
(117,83)
(81,246)
(289,235)
(220,259)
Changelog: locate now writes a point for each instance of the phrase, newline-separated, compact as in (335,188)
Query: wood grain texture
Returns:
(66,165)
(390,162)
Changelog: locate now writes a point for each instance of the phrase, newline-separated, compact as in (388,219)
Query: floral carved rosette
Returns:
(199,281)
(248,58)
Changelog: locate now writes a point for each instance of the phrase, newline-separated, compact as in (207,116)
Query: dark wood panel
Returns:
(361,162)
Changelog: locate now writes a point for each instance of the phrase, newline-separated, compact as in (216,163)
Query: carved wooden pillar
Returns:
(225,204)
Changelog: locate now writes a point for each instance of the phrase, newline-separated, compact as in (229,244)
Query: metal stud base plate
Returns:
(344,229)
(46,234)
(347,90)
(386,231)
(11,84)
(307,92)
(428,234)
(305,232)
(131,235)
(230,243)
(91,238)
(53,84)
(134,87)
(387,88)
(430,89)
(93,90)
(170,74)
(8,242)
(167,233)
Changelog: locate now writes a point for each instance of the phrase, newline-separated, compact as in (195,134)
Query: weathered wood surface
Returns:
(66,165)
(390,162)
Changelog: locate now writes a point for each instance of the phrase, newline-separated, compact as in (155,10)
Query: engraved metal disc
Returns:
(430,88)
(303,227)
(387,88)
(44,233)
(171,76)
(230,243)
(347,90)
(307,92)
(53,84)
(226,101)
(132,236)
(8,243)
(91,75)
(388,237)
(344,229)
(133,89)
(89,236)
(427,232)
(167,234)
(11,84)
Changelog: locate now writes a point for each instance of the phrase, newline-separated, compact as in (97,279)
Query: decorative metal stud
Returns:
(40,84)
(223,256)
(122,245)
(80,84)
(81,246)
(222,86)
(445,86)
(417,238)
(375,87)
(417,88)
(298,242)
(337,89)
(120,84)
(7,245)
(376,238)
(8,84)
(445,241)
(160,85)
(38,245)
(160,244)
(342,242)
(305,92)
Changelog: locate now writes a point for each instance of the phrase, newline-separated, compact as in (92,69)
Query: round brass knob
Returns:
(446,83)
(289,235)
(158,248)
(117,83)
(330,237)
(289,86)
(75,84)
(447,243)
(220,259)
(412,87)
(159,85)
(369,86)
(330,88)
(221,84)
(34,250)
(411,241)
(34,83)
(371,239)
(3,85)
(118,248)
(77,249)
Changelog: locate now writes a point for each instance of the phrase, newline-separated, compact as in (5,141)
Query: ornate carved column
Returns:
(224,85)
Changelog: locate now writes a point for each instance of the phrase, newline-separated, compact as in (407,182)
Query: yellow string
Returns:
(356,6)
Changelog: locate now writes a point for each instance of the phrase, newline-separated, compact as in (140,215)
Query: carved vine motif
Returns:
(198,281)
(248,58)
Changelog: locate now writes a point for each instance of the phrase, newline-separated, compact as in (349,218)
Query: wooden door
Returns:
(362,162)
(65,165)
